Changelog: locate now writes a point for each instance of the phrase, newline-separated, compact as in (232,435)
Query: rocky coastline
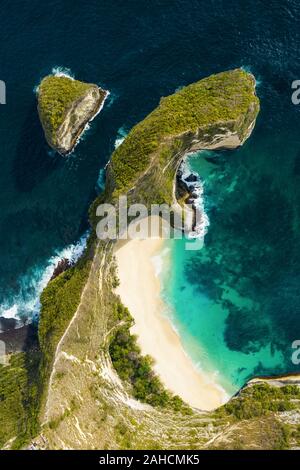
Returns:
(17,337)
(187,190)
(61,267)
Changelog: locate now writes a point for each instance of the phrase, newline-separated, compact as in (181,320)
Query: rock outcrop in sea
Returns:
(65,107)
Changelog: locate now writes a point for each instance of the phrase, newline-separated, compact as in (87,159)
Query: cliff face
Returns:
(65,106)
(216,112)
(89,407)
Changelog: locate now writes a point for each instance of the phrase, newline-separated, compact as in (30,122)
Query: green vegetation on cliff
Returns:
(23,382)
(19,399)
(262,399)
(59,302)
(199,109)
(56,95)
(136,369)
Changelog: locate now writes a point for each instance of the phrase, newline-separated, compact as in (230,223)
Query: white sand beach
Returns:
(139,290)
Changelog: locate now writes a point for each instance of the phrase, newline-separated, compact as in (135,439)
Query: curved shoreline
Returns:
(139,290)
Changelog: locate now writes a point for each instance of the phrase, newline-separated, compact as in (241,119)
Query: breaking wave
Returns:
(62,72)
(25,305)
(196,188)
(121,135)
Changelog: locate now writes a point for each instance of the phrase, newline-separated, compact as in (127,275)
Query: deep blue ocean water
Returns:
(140,51)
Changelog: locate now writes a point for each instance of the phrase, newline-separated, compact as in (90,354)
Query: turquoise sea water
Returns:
(235,302)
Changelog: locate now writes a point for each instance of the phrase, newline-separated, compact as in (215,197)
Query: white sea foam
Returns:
(11,312)
(121,135)
(225,395)
(213,377)
(248,69)
(112,98)
(101,180)
(157,262)
(26,304)
(36,89)
(197,187)
(59,71)
(179,88)
(161,260)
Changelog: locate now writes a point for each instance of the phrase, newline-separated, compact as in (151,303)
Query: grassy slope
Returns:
(136,369)
(59,302)
(23,383)
(263,416)
(217,99)
(19,399)
(56,95)
(85,392)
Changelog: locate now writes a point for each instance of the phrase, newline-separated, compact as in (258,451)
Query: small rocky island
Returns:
(65,107)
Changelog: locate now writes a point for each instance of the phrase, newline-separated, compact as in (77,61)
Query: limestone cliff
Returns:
(217,112)
(65,106)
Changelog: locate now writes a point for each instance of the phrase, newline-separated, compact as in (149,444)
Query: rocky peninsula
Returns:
(217,112)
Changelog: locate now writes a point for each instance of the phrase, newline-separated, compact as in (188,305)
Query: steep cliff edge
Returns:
(86,405)
(217,112)
(65,106)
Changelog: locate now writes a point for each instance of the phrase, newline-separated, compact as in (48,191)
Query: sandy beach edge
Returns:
(139,291)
